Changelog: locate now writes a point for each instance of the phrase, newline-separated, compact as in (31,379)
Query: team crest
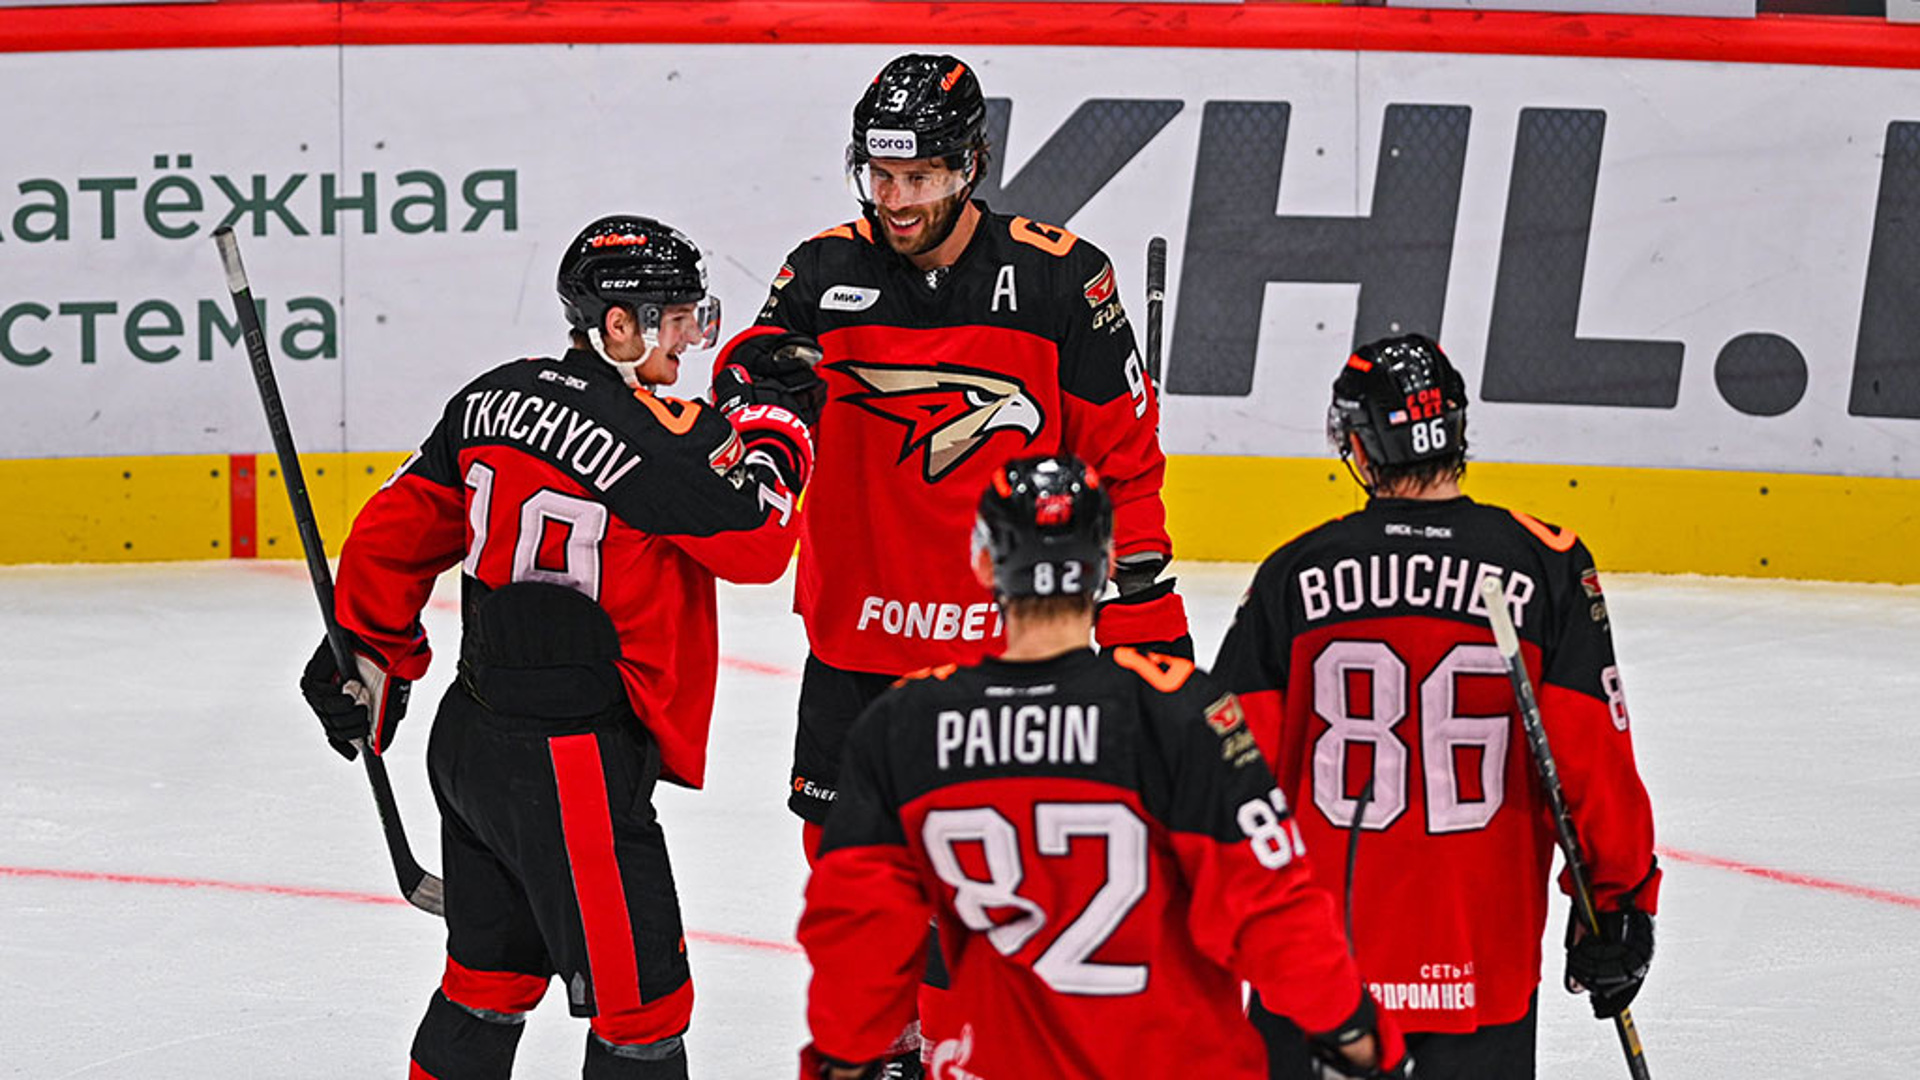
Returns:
(949,411)
(1099,290)
(1225,714)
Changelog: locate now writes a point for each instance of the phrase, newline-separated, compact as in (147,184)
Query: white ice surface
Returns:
(150,733)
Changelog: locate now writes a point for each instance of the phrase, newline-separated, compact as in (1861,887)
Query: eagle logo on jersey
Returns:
(949,411)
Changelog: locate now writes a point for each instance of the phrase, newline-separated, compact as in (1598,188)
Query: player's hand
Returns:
(366,707)
(1609,967)
(776,439)
(815,1065)
(1367,1046)
(770,369)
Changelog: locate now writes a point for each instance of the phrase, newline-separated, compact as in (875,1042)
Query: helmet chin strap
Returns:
(628,369)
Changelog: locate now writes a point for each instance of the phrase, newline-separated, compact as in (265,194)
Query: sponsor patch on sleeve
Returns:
(1100,289)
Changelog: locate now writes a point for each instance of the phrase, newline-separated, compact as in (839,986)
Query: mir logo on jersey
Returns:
(949,411)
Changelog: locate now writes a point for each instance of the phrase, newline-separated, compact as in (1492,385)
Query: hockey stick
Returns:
(422,890)
(1493,596)
(1156,297)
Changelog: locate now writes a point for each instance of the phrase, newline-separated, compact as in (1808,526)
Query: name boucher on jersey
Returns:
(1362,653)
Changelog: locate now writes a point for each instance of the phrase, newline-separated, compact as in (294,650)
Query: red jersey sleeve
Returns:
(751,555)
(1255,910)
(1584,710)
(1111,410)
(865,923)
(412,529)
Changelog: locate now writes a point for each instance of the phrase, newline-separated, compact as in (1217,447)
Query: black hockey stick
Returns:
(1493,595)
(1156,297)
(422,890)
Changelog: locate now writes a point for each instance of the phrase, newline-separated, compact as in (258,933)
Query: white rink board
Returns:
(1731,199)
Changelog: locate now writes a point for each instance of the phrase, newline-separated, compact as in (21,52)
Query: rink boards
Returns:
(1675,258)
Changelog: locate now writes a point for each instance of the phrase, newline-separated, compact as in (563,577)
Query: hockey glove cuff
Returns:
(365,707)
(1609,966)
(778,439)
(1153,619)
(769,368)
(1343,1052)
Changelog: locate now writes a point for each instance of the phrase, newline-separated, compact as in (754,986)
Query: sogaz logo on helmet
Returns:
(849,298)
(892,143)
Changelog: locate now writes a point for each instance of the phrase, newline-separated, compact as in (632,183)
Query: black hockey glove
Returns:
(1609,967)
(367,707)
(1331,1051)
(770,369)
(1147,614)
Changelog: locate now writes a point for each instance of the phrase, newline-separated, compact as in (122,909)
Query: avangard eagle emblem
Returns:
(949,411)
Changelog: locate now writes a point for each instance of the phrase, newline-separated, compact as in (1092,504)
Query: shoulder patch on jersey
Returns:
(1225,714)
(1101,288)
(849,298)
(1555,539)
(1164,673)
(1051,239)
(728,454)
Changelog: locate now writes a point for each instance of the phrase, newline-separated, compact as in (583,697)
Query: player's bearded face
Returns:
(916,201)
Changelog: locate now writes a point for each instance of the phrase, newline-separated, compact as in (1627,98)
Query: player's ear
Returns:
(617,323)
(983,568)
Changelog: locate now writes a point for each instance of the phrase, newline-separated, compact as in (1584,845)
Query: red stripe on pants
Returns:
(494,991)
(587,827)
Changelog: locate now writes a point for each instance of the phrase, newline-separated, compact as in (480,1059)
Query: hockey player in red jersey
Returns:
(1368,673)
(1096,834)
(951,339)
(590,517)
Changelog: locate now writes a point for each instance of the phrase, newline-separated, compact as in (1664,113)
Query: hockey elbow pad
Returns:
(1345,1051)
(1153,619)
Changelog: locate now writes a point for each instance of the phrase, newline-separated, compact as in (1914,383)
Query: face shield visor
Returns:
(901,183)
(681,326)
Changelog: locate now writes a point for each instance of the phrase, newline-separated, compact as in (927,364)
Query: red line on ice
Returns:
(306,892)
(1788,877)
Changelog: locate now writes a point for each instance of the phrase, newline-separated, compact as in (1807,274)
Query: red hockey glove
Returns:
(1609,966)
(770,369)
(1152,619)
(815,1065)
(367,707)
(1367,1046)
(776,439)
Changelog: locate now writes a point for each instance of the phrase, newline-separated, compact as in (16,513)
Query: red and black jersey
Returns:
(555,470)
(1107,857)
(1362,654)
(1022,346)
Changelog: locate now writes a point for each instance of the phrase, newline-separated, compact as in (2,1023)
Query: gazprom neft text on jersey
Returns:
(1417,579)
(596,454)
(1023,734)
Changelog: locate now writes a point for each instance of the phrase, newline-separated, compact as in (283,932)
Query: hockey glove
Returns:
(815,1065)
(367,706)
(778,440)
(1610,966)
(770,369)
(1366,1046)
(1147,614)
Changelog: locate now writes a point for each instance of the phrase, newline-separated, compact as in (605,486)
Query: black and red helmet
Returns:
(921,106)
(1047,524)
(635,262)
(1404,400)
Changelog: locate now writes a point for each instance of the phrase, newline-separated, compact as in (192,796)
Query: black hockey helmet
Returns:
(1048,526)
(639,263)
(921,106)
(1404,400)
